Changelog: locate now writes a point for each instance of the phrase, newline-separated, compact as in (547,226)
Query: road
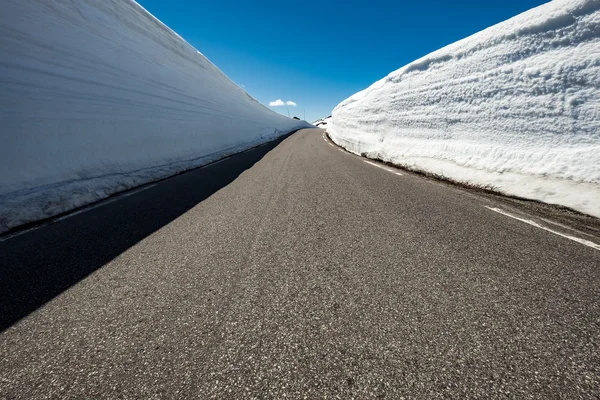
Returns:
(297,269)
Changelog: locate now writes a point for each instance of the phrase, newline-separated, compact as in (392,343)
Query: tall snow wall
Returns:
(516,106)
(99,96)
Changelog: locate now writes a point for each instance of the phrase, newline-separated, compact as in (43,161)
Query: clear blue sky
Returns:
(317,53)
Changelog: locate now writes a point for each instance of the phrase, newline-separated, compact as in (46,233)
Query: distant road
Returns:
(298,269)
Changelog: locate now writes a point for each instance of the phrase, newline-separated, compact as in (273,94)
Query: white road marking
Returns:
(138,190)
(218,161)
(18,233)
(110,200)
(100,203)
(105,202)
(533,223)
(382,167)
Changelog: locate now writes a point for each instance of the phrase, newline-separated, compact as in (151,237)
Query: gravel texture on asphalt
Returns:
(297,270)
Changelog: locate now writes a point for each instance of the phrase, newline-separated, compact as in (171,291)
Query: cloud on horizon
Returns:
(279,103)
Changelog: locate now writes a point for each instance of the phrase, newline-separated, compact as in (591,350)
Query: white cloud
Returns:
(279,103)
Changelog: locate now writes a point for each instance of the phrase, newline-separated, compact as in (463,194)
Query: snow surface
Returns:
(322,123)
(516,106)
(99,96)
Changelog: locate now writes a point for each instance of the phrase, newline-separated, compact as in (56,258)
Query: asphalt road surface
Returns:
(299,270)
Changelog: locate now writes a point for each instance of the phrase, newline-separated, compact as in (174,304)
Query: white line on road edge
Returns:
(113,198)
(382,167)
(87,208)
(106,201)
(533,223)
(18,233)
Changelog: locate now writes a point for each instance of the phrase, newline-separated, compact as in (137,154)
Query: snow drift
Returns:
(99,96)
(516,106)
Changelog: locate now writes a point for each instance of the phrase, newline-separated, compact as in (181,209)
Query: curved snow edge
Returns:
(515,107)
(97,97)
(577,196)
(22,209)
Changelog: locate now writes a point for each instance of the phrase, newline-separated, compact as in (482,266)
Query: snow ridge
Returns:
(515,106)
(100,96)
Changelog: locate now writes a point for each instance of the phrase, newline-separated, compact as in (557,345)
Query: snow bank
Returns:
(99,96)
(516,106)
(322,123)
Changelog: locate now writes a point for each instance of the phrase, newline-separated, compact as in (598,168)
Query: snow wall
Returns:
(99,96)
(516,106)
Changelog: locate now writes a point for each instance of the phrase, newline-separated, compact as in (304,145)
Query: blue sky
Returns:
(317,53)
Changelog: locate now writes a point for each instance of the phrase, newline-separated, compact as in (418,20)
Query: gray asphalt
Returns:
(297,270)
